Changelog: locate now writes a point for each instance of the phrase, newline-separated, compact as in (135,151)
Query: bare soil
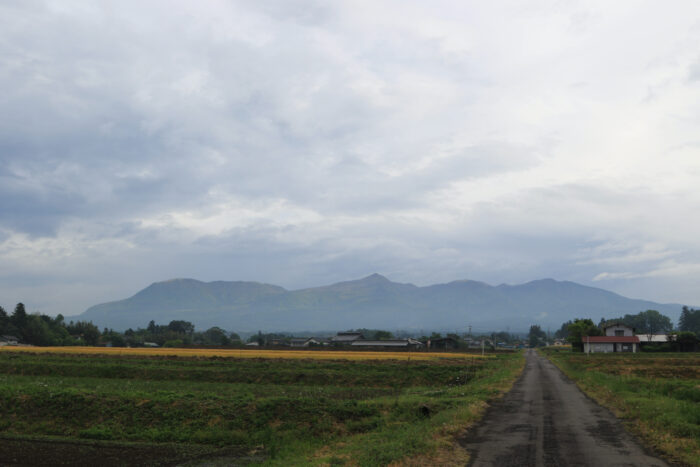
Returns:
(46,452)
(545,420)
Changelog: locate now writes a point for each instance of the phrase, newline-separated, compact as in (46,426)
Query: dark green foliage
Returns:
(689,320)
(214,336)
(19,317)
(43,330)
(580,328)
(563,331)
(537,337)
(686,341)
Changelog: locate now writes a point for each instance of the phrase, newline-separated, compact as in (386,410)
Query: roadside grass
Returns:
(657,395)
(277,411)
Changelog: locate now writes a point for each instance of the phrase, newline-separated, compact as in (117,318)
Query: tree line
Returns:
(42,330)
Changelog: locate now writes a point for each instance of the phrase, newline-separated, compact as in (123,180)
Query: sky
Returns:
(304,142)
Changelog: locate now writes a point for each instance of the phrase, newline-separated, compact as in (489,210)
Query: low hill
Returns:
(372,302)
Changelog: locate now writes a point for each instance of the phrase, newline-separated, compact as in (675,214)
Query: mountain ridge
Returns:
(370,302)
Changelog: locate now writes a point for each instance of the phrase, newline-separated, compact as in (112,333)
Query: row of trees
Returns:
(42,330)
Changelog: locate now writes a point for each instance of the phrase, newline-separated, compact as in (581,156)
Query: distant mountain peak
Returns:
(376,277)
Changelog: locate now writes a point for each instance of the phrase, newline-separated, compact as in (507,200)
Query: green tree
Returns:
(579,329)
(19,317)
(563,331)
(215,336)
(686,341)
(4,322)
(85,332)
(181,327)
(689,320)
(652,322)
(37,332)
(537,337)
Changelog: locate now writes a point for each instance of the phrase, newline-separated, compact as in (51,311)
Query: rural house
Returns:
(617,338)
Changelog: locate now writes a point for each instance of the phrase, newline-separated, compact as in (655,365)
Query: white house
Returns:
(617,338)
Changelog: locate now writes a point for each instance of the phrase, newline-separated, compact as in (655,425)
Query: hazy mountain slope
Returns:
(374,301)
(186,299)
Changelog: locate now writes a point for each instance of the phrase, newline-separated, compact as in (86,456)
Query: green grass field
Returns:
(656,394)
(260,411)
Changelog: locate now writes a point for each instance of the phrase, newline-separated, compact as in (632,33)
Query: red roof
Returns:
(610,339)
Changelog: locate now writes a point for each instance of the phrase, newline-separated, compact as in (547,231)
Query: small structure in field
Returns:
(618,338)
(387,344)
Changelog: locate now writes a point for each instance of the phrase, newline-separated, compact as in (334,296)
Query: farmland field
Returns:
(657,394)
(335,409)
(247,353)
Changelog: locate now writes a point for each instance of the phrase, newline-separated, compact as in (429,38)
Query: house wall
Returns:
(606,347)
(610,331)
(598,347)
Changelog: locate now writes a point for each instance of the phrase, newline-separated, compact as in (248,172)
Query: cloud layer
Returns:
(305,142)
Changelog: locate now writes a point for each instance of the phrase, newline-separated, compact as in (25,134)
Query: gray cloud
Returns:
(305,142)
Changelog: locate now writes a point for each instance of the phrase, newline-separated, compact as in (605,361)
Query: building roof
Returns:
(616,324)
(386,343)
(653,338)
(610,339)
(346,337)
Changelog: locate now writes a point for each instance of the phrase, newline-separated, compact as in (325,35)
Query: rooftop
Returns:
(610,339)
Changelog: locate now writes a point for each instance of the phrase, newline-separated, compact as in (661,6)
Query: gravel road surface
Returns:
(545,420)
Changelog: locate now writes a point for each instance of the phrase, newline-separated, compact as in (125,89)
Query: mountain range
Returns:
(371,302)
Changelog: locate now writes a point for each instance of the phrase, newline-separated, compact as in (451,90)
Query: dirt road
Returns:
(545,420)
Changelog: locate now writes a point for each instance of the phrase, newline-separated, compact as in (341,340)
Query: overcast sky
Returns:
(302,143)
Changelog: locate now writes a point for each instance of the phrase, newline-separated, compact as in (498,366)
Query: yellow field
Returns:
(247,353)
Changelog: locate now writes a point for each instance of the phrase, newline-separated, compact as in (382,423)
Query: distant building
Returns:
(444,343)
(654,338)
(8,340)
(278,342)
(388,344)
(618,338)
(346,338)
(303,342)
